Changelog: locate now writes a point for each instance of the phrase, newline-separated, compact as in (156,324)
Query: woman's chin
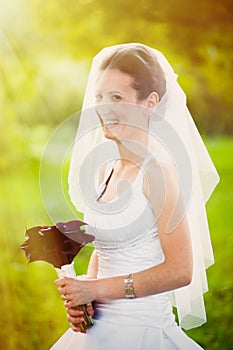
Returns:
(109,135)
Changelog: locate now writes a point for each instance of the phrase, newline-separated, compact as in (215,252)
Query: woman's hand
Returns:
(76,292)
(75,316)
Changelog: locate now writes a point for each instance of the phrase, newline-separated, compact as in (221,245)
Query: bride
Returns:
(141,175)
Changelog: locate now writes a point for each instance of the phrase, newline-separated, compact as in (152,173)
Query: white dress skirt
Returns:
(127,241)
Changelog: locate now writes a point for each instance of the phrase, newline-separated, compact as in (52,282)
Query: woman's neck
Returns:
(133,151)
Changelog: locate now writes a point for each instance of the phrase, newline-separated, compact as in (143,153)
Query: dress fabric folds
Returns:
(127,241)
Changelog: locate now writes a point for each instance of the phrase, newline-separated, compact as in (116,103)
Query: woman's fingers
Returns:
(75,312)
(90,309)
(61,281)
(63,284)
(65,297)
(76,292)
(76,328)
(75,319)
(71,291)
(70,304)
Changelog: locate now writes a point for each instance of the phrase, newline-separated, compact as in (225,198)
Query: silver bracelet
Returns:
(129,289)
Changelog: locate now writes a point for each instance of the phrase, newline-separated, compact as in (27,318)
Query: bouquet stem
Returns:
(88,322)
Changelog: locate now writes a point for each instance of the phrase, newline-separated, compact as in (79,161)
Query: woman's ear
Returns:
(152,100)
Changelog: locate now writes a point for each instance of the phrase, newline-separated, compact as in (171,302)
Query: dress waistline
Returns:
(105,245)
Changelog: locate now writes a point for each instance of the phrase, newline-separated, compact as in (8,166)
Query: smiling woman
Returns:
(152,237)
(129,77)
(114,86)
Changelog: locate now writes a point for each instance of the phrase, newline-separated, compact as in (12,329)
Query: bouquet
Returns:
(58,245)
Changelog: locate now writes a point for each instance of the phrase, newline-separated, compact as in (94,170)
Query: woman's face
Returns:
(119,110)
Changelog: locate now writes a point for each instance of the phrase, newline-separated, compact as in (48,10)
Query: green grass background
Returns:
(32,315)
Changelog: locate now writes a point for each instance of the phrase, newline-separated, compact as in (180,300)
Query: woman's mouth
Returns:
(111,123)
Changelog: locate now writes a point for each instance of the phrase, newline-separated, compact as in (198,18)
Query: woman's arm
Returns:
(161,186)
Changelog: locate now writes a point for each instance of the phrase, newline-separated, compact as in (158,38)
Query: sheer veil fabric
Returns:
(171,126)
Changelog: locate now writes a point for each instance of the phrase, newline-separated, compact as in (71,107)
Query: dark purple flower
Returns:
(58,245)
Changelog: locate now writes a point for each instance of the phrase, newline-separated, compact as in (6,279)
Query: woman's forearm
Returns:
(157,279)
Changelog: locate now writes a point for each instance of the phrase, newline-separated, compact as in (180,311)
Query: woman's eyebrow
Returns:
(115,91)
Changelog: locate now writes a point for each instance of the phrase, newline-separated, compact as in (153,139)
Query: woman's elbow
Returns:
(187,279)
(186,276)
(184,273)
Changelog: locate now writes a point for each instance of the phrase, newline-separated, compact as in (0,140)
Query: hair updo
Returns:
(142,66)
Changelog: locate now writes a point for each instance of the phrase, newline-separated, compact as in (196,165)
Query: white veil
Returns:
(172,124)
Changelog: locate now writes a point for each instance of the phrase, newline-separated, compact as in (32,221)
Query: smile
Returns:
(111,123)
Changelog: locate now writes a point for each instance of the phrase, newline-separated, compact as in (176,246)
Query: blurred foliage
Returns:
(47,46)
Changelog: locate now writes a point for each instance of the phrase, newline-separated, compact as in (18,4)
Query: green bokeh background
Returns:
(46,49)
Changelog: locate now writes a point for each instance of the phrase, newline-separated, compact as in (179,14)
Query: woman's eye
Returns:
(116,97)
(98,97)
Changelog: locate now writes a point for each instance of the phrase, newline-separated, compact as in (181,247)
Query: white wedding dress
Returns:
(127,241)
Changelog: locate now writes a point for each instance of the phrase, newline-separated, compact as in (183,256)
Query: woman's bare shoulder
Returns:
(160,173)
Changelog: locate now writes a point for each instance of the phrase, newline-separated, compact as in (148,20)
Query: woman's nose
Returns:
(104,110)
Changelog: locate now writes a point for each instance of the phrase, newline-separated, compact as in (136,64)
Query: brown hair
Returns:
(142,66)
